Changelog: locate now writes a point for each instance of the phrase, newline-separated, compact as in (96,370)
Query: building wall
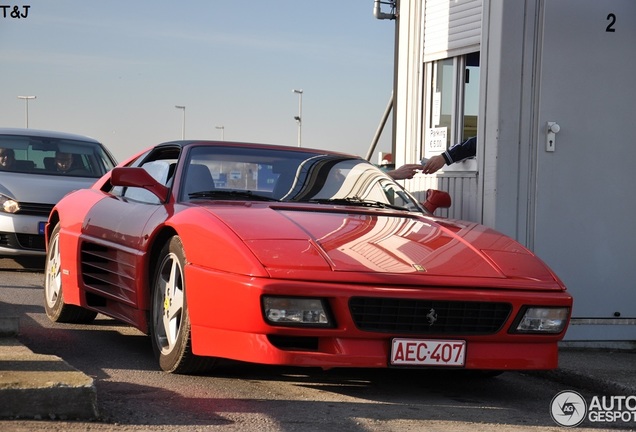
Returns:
(408,106)
(543,60)
(412,102)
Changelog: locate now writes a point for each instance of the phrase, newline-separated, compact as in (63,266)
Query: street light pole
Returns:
(182,107)
(222,132)
(26,100)
(299,117)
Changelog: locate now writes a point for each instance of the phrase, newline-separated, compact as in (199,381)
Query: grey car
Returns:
(37,168)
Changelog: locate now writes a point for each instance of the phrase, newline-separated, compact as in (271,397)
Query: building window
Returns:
(453,102)
(470,96)
(442,104)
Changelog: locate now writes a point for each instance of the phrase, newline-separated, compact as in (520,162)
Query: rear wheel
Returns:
(54,305)
(170,320)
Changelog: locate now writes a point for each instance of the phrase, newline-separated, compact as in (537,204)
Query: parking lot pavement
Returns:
(603,371)
(40,386)
(45,386)
(22,264)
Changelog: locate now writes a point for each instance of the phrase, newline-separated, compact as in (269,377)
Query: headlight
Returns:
(8,205)
(543,320)
(296,311)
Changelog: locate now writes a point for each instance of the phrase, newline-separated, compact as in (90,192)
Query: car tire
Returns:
(169,317)
(56,309)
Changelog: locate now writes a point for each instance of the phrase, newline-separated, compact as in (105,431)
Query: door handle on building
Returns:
(553,128)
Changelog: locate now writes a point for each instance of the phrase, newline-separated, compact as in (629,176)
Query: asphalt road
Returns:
(134,395)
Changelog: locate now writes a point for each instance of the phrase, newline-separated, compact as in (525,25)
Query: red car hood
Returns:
(291,240)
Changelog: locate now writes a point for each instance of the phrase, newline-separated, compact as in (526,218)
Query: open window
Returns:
(161,165)
(454,105)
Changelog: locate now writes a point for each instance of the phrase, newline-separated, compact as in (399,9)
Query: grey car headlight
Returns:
(8,205)
(536,319)
(296,311)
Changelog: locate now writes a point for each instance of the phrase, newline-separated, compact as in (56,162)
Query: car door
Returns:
(115,235)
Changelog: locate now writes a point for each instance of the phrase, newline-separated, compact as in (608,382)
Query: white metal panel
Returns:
(408,91)
(451,28)
(462,187)
(506,95)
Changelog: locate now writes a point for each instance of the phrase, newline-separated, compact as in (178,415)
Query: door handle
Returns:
(552,128)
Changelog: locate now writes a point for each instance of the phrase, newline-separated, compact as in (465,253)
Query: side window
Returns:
(160,170)
(160,164)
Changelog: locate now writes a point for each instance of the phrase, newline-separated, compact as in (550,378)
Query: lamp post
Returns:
(299,117)
(26,100)
(182,107)
(222,132)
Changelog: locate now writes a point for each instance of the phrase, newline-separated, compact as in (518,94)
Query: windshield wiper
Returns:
(355,201)
(215,193)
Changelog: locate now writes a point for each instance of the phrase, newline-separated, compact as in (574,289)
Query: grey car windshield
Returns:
(290,176)
(53,156)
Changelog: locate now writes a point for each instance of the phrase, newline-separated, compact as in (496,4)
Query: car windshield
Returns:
(215,172)
(53,156)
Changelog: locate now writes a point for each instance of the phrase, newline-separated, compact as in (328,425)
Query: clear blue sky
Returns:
(114,70)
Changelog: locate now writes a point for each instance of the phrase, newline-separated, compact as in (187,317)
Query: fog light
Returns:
(295,311)
(543,320)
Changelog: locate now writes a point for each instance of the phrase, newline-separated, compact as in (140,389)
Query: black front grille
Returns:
(35,209)
(439,317)
(31,241)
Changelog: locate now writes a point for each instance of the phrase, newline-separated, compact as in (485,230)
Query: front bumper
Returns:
(365,353)
(22,235)
(227,322)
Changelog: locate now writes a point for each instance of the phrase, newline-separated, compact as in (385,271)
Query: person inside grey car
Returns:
(7,158)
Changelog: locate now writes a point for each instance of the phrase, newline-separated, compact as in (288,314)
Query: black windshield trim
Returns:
(356,202)
(235,194)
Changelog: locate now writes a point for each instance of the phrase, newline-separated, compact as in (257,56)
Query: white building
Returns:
(505,70)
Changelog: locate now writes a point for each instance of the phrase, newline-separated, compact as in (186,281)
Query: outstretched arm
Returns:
(405,171)
(456,153)
(461,151)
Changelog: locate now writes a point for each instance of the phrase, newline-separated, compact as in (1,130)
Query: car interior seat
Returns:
(284,184)
(198,179)
(24,165)
(49,163)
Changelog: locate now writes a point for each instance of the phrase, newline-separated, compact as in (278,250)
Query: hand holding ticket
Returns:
(432,164)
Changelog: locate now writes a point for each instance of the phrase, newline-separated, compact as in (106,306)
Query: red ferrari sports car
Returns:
(293,256)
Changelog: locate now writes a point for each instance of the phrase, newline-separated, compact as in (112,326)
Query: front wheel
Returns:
(170,320)
(54,305)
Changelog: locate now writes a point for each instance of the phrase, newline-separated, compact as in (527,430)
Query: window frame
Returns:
(457,99)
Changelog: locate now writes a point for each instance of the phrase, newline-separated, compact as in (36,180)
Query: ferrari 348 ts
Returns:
(293,256)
